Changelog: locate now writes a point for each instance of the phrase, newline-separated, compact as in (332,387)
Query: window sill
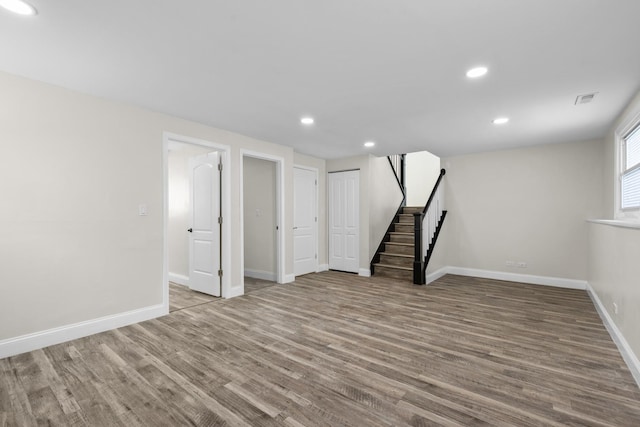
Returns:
(616,223)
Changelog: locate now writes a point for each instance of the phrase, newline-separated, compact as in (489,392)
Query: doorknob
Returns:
(190,230)
(295,228)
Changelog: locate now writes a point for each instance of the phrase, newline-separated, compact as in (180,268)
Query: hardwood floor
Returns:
(338,349)
(181,297)
(251,284)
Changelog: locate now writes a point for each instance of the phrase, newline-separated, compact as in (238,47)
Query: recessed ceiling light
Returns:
(477,72)
(18,6)
(307,120)
(500,120)
(369,144)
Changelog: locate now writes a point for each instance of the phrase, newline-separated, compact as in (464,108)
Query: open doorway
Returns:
(195,234)
(261,219)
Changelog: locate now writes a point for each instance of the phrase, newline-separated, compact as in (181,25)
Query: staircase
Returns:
(396,258)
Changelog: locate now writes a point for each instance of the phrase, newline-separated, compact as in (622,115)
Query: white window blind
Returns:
(630,182)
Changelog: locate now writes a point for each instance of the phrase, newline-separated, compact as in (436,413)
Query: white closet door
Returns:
(305,225)
(344,221)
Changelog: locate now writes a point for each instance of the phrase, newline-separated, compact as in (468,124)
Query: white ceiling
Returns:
(390,71)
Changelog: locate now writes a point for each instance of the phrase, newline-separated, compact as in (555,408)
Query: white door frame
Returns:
(225,188)
(280,223)
(314,170)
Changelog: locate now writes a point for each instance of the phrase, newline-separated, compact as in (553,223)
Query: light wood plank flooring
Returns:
(251,284)
(335,349)
(181,297)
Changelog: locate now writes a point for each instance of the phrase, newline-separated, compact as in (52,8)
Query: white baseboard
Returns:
(289,278)
(623,346)
(259,274)
(364,272)
(233,292)
(432,277)
(179,279)
(522,278)
(322,267)
(37,340)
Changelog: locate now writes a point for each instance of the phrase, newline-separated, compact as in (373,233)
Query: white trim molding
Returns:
(179,279)
(281,276)
(557,282)
(432,277)
(289,278)
(322,267)
(623,346)
(364,272)
(37,340)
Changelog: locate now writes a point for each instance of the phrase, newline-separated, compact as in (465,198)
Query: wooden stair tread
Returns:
(401,233)
(399,243)
(395,267)
(397,255)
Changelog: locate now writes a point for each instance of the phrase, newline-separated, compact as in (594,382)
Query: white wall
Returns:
(74,170)
(421,172)
(614,275)
(178,220)
(524,205)
(614,270)
(321,166)
(260,218)
(385,197)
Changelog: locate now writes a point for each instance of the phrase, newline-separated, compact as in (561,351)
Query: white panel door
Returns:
(204,234)
(344,221)
(305,226)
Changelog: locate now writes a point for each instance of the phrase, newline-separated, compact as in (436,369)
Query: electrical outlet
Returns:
(521,264)
(510,263)
(615,308)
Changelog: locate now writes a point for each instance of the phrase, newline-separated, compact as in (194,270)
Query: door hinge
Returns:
(316,256)
(220,273)
(316,181)
(316,219)
(220,166)
(219,220)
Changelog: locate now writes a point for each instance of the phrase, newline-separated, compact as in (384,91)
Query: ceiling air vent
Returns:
(585,99)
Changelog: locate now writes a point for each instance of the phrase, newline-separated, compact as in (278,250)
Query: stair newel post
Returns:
(418,259)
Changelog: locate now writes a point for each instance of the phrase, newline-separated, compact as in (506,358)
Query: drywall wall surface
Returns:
(321,165)
(614,273)
(362,164)
(385,197)
(421,172)
(614,252)
(526,205)
(72,245)
(260,216)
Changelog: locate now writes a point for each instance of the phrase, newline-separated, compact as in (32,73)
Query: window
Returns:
(630,170)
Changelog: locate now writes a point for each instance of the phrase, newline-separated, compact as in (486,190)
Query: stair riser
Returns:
(411,210)
(405,219)
(397,249)
(394,260)
(396,274)
(402,239)
(404,228)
